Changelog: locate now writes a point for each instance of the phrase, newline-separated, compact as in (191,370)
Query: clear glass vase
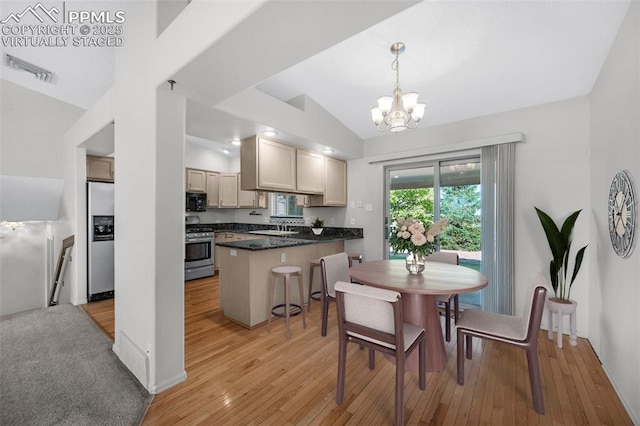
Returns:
(415,263)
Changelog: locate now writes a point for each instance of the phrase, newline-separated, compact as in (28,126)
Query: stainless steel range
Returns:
(198,253)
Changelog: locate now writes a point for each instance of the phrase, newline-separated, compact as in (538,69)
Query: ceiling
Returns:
(465,59)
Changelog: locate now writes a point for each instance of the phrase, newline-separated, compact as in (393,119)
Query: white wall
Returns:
(551,173)
(615,145)
(24,267)
(198,157)
(31,123)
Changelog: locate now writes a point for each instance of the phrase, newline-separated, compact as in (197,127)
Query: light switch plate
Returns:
(283,257)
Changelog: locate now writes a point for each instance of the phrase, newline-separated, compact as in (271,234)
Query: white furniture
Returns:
(560,310)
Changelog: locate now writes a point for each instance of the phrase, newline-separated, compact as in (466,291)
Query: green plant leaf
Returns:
(578,263)
(567,226)
(553,274)
(554,237)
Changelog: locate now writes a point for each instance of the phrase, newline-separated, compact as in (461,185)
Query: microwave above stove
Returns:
(196,202)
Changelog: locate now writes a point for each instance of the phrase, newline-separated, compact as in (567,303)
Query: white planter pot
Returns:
(562,307)
(317,231)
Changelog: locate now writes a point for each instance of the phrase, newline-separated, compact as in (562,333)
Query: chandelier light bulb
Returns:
(376,115)
(385,103)
(418,112)
(409,101)
(400,111)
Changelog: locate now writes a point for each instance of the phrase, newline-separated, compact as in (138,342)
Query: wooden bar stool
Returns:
(354,257)
(315,295)
(286,272)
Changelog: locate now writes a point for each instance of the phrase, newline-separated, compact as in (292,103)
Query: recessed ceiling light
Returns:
(235,142)
(269,132)
(328,151)
(226,151)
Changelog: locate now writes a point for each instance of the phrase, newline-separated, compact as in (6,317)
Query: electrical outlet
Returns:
(332,221)
(265,219)
(353,221)
(283,257)
(232,252)
(359,204)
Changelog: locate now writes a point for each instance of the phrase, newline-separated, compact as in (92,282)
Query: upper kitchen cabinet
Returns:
(267,165)
(228,190)
(196,180)
(310,172)
(100,168)
(335,192)
(213,189)
(251,199)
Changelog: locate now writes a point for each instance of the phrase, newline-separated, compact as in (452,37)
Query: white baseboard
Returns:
(172,381)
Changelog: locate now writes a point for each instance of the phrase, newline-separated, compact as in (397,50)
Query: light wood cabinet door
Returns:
(302,200)
(310,172)
(336,184)
(196,180)
(228,190)
(246,199)
(100,168)
(335,193)
(267,165)
(216,250)
(213,189)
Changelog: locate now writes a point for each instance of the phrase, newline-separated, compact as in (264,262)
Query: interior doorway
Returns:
(432,190)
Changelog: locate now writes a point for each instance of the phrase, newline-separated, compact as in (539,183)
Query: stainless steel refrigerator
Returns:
(100,235)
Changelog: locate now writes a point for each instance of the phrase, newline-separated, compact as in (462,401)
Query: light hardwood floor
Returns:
(237,376)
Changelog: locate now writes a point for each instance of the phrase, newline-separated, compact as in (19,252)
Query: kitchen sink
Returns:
(273,232)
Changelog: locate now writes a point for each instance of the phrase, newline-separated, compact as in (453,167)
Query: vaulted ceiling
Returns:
(465,59)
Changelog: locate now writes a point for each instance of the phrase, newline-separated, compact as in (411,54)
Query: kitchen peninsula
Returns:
(245,267)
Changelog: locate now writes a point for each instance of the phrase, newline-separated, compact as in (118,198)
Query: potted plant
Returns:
(560,244)
(317,226)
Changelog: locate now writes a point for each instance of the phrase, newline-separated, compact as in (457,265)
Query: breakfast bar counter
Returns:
(245,273)
(245,265)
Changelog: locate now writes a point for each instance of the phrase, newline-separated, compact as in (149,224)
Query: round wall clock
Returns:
(622,214)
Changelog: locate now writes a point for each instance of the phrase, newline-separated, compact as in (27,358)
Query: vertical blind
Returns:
(497,189)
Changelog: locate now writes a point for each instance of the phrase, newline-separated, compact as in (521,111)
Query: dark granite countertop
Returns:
(303,237)
(267,243)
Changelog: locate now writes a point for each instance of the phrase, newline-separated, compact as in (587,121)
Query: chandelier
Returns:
(397,112)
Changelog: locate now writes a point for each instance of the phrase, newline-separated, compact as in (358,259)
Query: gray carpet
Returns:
(57,368)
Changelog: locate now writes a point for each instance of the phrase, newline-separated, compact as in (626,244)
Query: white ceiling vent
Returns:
(21,65)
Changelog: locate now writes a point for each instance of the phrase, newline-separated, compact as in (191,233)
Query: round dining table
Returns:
(419,297)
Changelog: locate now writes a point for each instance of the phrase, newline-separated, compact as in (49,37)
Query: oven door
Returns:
(198,253)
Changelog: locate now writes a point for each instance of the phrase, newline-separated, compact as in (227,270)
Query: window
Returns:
(284,205)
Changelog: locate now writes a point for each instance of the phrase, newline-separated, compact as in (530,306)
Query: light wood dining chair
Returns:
(333,268)
(447,299)
(521,332)
(372,317)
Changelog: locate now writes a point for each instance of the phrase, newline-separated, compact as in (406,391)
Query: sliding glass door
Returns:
(432,190)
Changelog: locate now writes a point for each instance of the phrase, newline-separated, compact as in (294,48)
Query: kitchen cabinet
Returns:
(246,199)
(310,171)
(335,191)
(196,180)
(228,190)
(219,238)
(267,165)
(213,189)
(100,168)
(302,200)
